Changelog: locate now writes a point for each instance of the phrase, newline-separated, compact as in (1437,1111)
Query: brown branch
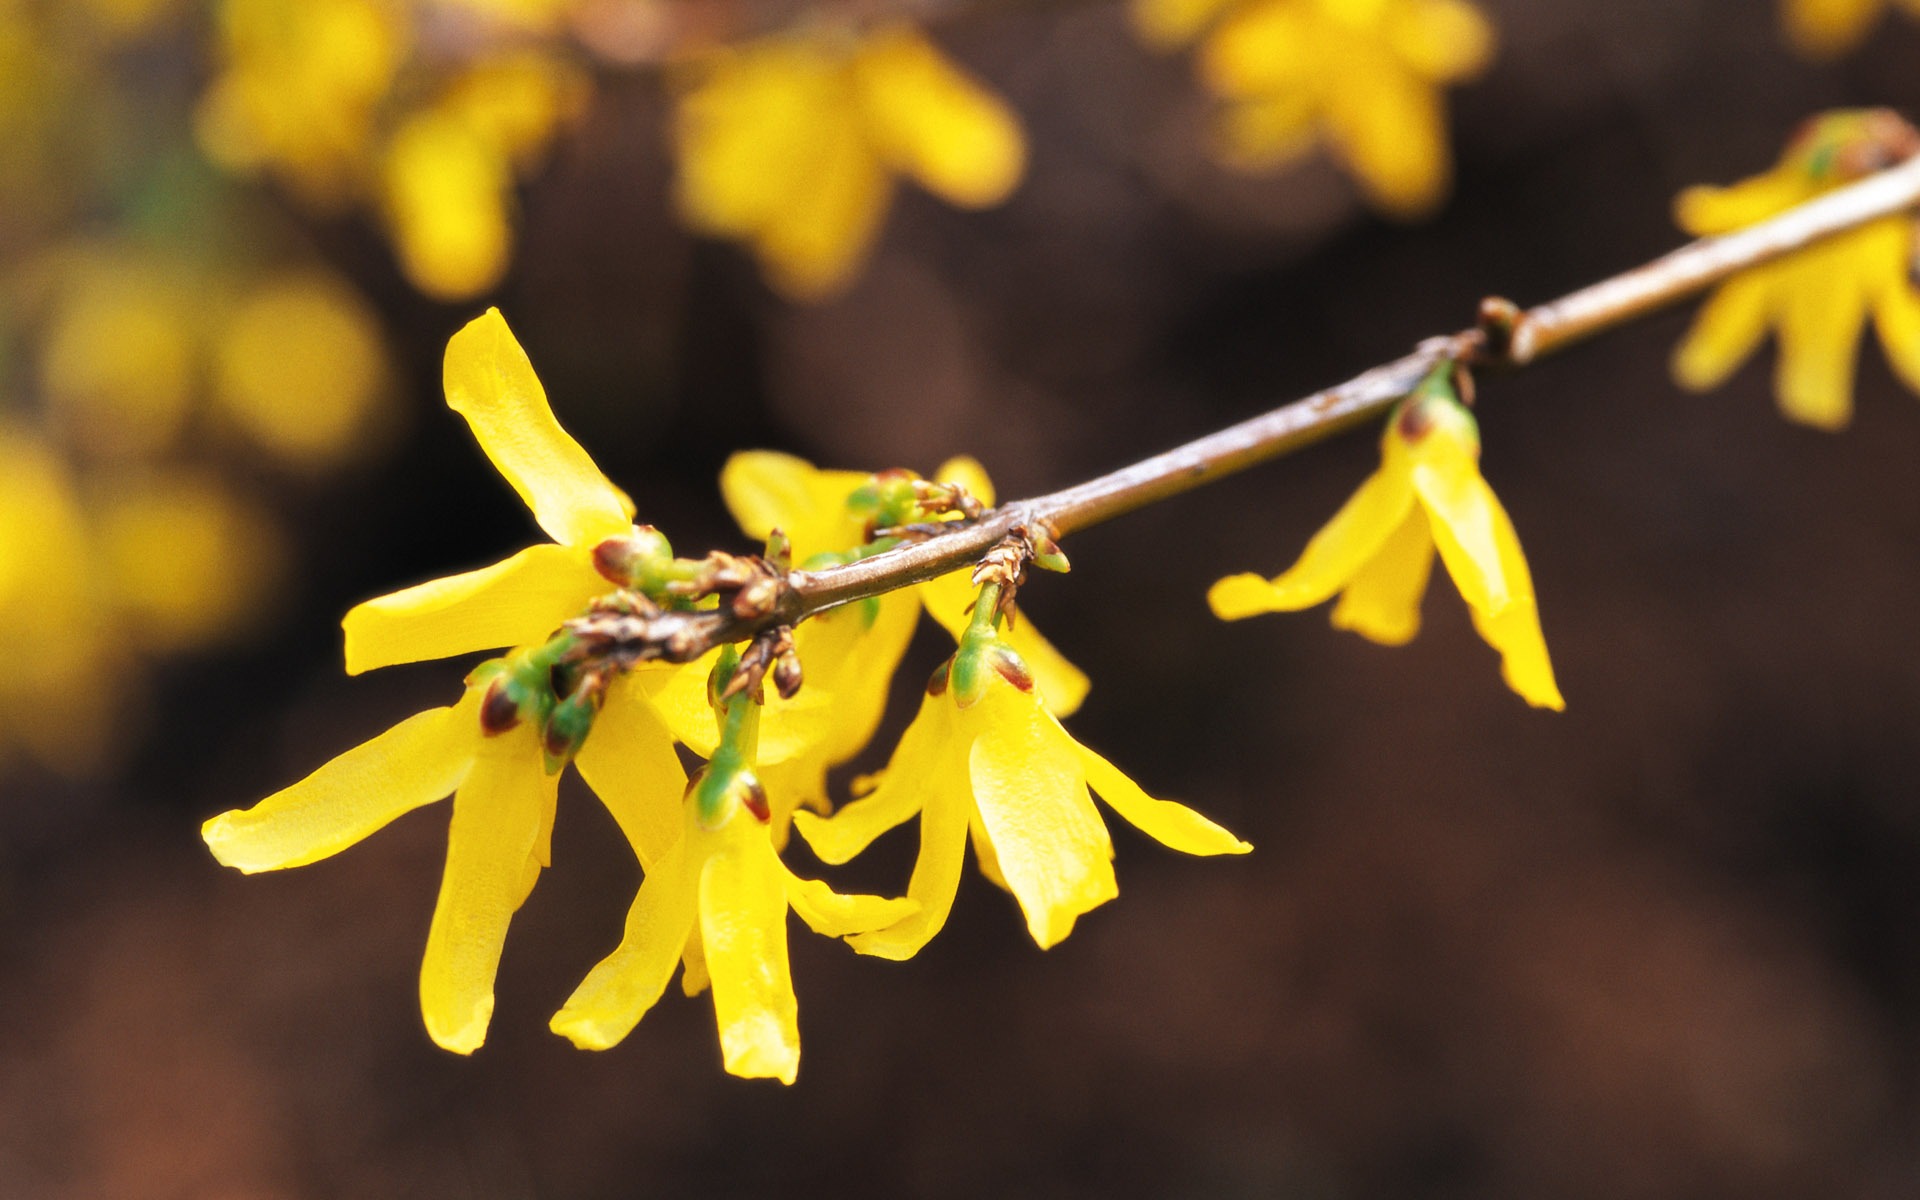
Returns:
(1506,337)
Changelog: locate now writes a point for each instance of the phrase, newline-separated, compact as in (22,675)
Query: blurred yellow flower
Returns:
(718,899)
(1816,299)
(522,599)
(789,144)
(985,756)
(1829,28)
(1362,76)
(1378,550)
(119,364)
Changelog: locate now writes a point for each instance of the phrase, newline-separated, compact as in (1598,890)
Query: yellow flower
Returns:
(1817,299)
(849,654)
(1378,550)
(789,143)
(984,756)
(718,899)
(1829,28)
(522,599)
(1363,76)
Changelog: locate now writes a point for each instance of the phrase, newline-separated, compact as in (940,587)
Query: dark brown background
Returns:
(1663,945)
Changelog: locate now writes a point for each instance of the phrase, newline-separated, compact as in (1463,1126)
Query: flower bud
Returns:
(630,559)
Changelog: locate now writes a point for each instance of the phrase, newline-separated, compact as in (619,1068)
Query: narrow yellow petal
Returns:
(936,873)
(490,382)
(1173,825)
(766,490)
(1730,326)
(934,122)
(680,699)
(836,915)
(983,855)
(1820,322)
(624,985)
(1382,601)
(1896,314)
(629,762)
(1443,40)
(498,813)
(811,245)
(518,601)
(743,929)
(1704,210)
(1391,128)
(1261,50)
(1515,629)
(418,761)
(1336,553)
(1052,847)
(916,764)
(693,965)
(1460,512)
(445,190)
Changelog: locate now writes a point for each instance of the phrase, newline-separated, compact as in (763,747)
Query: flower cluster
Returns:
(1361,76)
(1817,300)
(985,755)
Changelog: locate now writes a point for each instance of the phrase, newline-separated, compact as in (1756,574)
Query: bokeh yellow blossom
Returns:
(998,766)
(1377,552)
(790,144)
(1829,28)
(1816,300)
(1364,77)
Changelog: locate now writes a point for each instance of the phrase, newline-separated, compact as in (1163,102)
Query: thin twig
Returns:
(1506,338)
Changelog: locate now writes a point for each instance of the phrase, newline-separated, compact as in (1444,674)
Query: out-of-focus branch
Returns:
(1505,337)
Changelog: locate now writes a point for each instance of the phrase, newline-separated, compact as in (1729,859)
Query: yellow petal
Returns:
(1061,684)
(811,245)
(1515,629)
(1829,28)
(1730,326)
(1896,314)
(1390,127)
(518,601)
(446,192)
(1263,49)
(498,813)
(624,985)
(1336,553)
(932,121)
(1171,824)
(629,762)
(917,763)
(1704,211)
(1820,322)
(983,855)
(743,930)
(966,471)
(418,761)
(745,131)
(1443,40)
(936,871)
(835,915)
(766,490)
(1460,512)
(693,965)
(1382,601)
(490,382)
(1052,847)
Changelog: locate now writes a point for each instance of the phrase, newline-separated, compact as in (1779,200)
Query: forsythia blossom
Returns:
(790,144)
(1828,28)
(1363,76)
(1816,299)
(984,755)
(1378,550)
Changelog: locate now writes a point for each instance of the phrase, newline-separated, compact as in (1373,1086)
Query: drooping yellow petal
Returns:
(1820,320)
(693,965)
(418,761)
(811,245)
(446,191)
(984,857)
(1053,850)
(1442,40)
(1382,601)
(1460,513)
(1705,211)
(930,120)
(1896,314)
(629,762)
(1730,326)
(936,870)
(1263,49)
(490,382)
(1515,629)
(1332,557)
(498,813)
(766,490)
(922,757)
(744,129)
(1171,824)
(518,601)
(1391,129)
(743,930)
(836,915)
(621,988)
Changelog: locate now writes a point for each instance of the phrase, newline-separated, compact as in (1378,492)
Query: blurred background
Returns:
(1666,944)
